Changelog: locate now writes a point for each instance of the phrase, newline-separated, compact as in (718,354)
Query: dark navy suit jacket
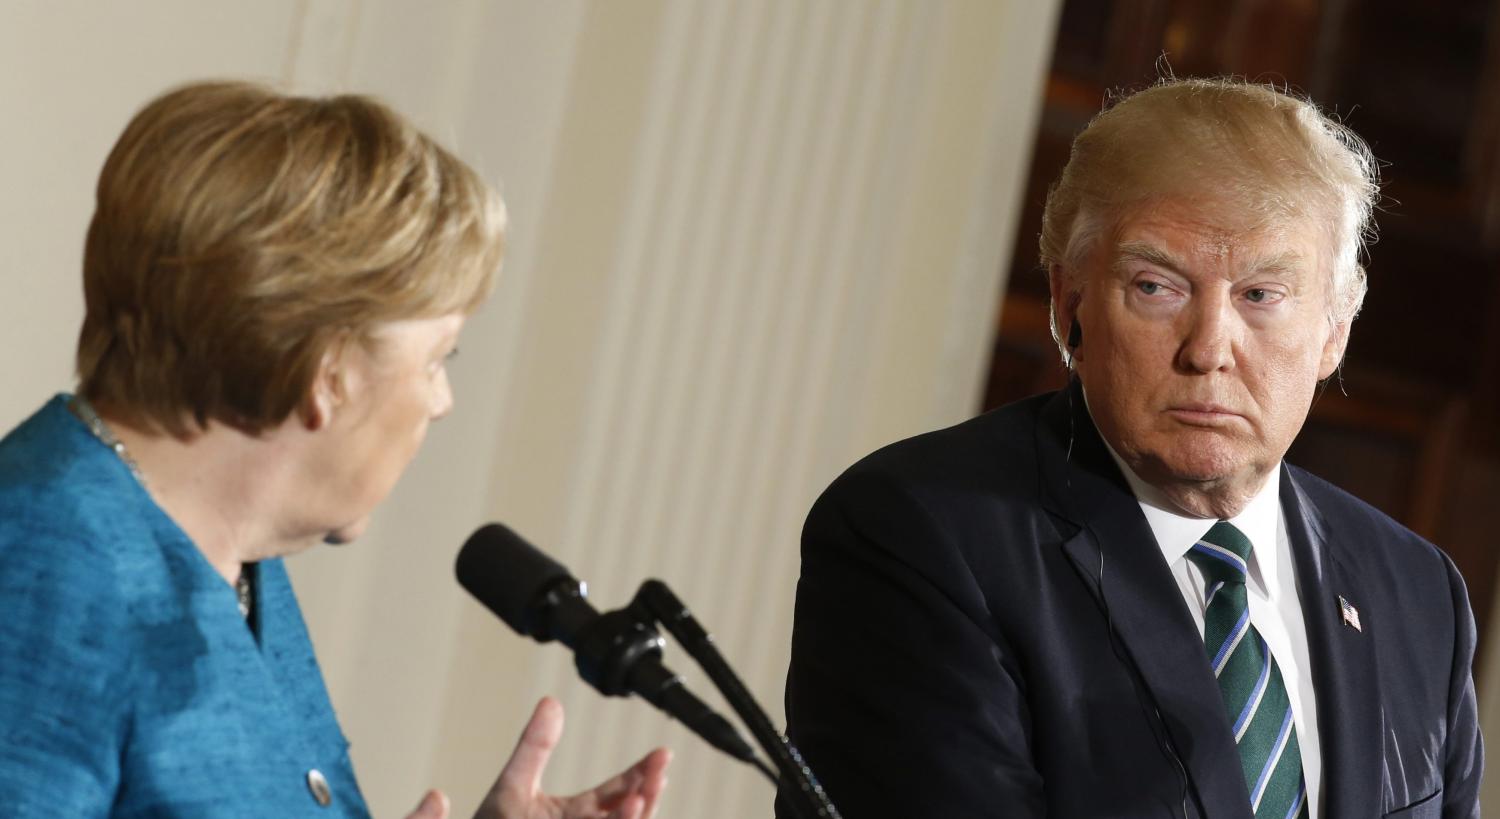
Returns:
(985,627)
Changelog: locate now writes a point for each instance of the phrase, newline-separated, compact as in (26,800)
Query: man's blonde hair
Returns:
(1226,143)
(240,232)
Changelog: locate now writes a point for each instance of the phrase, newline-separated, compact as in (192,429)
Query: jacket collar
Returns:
(1351,722)
(1116,555)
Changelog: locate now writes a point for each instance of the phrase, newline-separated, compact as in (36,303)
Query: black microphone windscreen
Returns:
(506,573)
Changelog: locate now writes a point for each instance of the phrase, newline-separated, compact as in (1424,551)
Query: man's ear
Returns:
(1065,301)
(1333,350)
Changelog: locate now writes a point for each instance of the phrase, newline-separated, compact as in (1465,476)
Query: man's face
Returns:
(1202,342)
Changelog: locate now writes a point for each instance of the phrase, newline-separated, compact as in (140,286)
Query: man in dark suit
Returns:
(1117,600)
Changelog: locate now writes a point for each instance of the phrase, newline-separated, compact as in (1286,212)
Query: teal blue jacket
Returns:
(130,685)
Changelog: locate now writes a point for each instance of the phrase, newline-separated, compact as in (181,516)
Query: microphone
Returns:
(618,652)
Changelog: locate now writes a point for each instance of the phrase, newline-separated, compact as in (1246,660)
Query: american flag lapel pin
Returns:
(1350,614)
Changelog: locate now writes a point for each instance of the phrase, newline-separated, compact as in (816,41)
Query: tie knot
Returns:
(1222,553)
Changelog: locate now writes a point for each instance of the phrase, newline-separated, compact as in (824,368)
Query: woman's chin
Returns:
(347,533)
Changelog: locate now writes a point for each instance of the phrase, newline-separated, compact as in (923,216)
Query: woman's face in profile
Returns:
(393,387)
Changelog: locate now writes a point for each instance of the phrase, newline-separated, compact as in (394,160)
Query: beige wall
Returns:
(71,74)
(750,242)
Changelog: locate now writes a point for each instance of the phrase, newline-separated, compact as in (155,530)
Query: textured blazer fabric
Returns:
(130,686)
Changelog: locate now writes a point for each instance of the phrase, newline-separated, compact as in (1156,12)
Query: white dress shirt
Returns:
(1271,583)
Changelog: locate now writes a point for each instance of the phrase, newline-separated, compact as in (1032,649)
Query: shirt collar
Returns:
(1176,531)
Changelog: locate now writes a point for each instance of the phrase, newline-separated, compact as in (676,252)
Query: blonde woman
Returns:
(273,284)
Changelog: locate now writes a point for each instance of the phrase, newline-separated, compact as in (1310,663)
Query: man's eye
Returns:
(1149,288)
(1258,295)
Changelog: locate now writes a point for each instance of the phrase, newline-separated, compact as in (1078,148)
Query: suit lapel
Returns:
(1137,592)
(1350,719)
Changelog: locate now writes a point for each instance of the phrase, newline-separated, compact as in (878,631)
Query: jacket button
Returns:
(319,787)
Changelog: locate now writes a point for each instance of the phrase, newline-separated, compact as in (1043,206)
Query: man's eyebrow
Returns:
(1286,262)
(1128,252)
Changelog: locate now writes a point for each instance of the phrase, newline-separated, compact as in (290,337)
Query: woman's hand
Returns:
(517,794)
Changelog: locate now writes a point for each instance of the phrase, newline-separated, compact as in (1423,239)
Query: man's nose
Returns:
(1208,341)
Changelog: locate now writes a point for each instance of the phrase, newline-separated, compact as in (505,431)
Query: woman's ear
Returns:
(328,390)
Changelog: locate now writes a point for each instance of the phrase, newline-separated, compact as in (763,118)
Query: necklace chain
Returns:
(85,412)
(243,591)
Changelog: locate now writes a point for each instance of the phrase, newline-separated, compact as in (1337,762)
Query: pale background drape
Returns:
(749,242)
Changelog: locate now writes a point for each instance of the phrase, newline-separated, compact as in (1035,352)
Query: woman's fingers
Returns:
(522,774)
(434,805)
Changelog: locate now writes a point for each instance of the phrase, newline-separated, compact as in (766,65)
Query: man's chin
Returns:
(1202,465)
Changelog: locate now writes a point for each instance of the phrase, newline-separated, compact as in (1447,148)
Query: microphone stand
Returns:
(655,603)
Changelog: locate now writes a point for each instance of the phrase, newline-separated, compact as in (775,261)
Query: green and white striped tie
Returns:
(1259,711)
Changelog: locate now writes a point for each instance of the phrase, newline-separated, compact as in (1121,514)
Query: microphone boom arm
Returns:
(609,650)
(656,602)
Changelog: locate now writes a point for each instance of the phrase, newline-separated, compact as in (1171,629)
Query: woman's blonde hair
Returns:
(239,233)
(1226,143)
